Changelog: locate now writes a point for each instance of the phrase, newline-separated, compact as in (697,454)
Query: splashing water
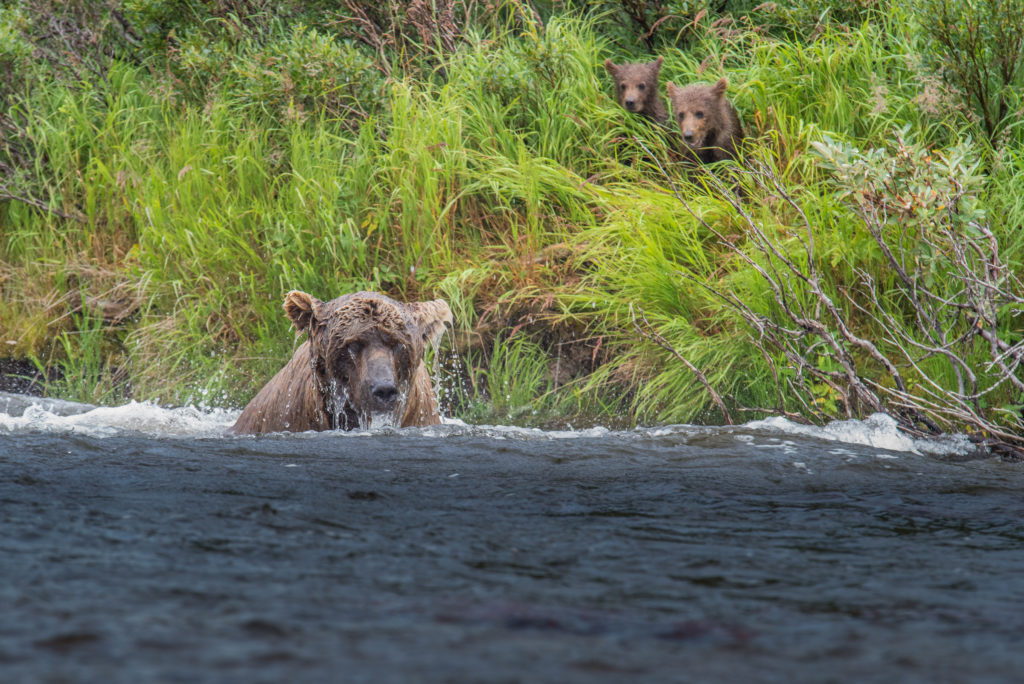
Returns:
(23,414)
(878,430)
(30,414)
(337,398)
(445,374)
(379,421)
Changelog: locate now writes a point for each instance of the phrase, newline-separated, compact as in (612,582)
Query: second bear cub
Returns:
(636,88)
(709,125)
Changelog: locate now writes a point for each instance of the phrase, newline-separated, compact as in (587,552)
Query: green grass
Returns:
(211,187)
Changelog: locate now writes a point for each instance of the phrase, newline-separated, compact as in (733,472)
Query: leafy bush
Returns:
(308,71)
(15,50)
(979,47)
(652,19)
(807,19)
(909,187)
(285,74)
(930,333)
(657,25)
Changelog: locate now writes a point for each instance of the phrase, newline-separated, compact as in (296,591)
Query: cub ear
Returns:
(611,67)
(656,64)
(301,309)
(672,89)
(719,88)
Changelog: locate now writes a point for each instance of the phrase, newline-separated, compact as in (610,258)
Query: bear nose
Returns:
(385,393)
(688,135)
(630,104)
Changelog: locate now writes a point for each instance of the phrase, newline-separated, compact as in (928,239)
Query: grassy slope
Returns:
(515,188)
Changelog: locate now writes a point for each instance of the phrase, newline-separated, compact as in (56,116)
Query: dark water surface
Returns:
(141,549)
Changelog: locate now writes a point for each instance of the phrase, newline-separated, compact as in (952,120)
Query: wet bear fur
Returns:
(637,89)
(708,123)
(362,364)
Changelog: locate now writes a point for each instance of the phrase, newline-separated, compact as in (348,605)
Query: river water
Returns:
(138,543)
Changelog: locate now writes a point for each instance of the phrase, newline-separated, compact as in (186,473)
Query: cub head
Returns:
(364,350)
(696,110)
(635,84)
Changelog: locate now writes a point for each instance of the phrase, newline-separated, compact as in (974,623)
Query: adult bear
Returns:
(363,363)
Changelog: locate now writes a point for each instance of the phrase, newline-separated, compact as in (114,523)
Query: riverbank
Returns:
(165,190)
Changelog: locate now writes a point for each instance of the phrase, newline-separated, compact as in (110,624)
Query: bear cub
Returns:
(709,125)
(636,88)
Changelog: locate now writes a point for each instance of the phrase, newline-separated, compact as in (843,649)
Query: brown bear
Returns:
(362,365)
(636,88)
(710,126)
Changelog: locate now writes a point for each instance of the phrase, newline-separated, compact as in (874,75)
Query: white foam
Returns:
(147,418)
(20,413)
(879,430)
(451,427)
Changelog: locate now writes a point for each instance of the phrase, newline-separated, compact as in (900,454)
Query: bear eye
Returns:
(355,347)
(681,115)
(699,115)
(640,86)
(622,87)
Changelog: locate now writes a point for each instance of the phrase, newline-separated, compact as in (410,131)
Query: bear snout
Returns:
(385,396)
(380,386)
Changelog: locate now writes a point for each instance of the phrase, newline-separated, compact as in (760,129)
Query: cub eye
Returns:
(640,87)
(355,347)
(680,115)
(699,115)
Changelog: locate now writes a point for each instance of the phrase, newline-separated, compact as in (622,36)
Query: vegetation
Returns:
(169,168)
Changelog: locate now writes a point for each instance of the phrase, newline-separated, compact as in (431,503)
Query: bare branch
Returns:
(650,333)
(39,204)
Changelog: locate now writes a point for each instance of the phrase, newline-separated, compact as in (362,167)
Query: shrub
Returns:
(979,47)
(15,49)
(925,324)
(310,71)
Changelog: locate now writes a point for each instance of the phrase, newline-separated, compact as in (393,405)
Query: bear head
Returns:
(697,111)
(364,350)
(636,85)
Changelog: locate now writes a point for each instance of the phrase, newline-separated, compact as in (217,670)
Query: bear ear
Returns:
(301,309)
(719,88)
(671,88)
(428,320)
(657,63)
(611,66)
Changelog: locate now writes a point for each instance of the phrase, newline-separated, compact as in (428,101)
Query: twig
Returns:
(39,204)
(651,334)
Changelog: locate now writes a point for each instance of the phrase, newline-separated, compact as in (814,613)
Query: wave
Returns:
(879,430)
(24,414)
(32,414)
